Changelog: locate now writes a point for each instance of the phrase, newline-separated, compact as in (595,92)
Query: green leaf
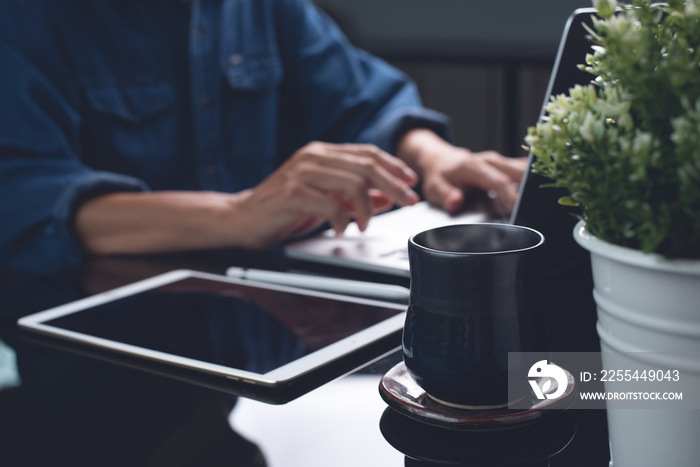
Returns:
(626,149)
(567,201)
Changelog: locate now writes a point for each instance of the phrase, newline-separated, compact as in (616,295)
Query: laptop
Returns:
(383,246)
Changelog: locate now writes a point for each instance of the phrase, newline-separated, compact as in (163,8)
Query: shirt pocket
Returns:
(253,73)
(131,129)
(251,108)
(132,104)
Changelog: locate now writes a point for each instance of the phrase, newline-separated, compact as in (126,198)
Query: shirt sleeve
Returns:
(342,93)
(42,180)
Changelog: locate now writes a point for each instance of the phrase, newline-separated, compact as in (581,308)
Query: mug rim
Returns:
(412,241)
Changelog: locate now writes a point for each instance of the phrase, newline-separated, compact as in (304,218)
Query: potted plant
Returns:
(626,148)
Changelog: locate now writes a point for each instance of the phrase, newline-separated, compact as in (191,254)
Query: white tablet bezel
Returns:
(278,376)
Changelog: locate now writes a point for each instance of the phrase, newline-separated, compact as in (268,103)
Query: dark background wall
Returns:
(484,63)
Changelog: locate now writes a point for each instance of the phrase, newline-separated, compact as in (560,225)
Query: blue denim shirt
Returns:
(103,96)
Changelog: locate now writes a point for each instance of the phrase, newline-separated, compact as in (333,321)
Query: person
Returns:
(142,127)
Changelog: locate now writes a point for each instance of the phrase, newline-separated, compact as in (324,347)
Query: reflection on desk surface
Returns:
(337,424)
(71,410)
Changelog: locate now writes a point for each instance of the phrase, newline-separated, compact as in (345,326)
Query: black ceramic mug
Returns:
(476,293)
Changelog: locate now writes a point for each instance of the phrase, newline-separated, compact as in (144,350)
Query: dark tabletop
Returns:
(60,408)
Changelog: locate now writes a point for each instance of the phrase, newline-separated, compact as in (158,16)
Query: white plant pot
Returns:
(648,304)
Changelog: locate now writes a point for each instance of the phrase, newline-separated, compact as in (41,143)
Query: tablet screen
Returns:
(220,322)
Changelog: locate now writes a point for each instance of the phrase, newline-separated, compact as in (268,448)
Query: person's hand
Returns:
(449,172)
(320,182)
(448,180)
(324,182)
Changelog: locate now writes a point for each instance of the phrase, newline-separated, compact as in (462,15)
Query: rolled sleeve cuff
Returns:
(83,189)
(392,127)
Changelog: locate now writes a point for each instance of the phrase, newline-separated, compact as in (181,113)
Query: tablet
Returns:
(263,341)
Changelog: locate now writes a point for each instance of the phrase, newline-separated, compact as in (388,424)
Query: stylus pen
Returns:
(324,284)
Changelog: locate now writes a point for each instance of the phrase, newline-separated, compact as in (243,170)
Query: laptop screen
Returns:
(568,301)
(538,207)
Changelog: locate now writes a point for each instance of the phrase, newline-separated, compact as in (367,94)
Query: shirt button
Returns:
(204,99)
(235,59)
(197,32)
(211,171)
